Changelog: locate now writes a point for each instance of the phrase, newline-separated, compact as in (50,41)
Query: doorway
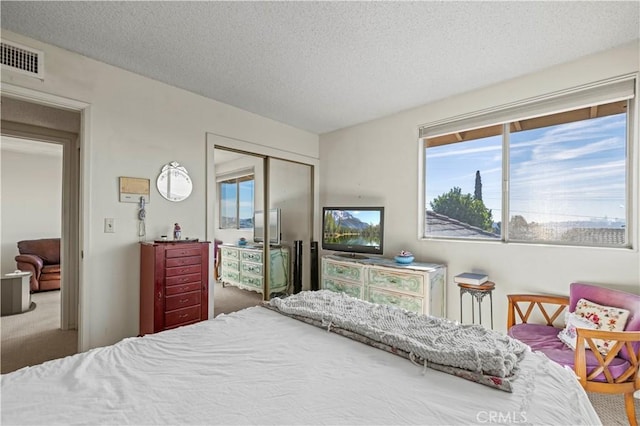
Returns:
(34,129)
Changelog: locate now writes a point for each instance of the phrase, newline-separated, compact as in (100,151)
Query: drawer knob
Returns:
(184,300)
(184,316)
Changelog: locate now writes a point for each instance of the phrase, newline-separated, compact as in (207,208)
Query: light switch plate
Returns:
(109,225)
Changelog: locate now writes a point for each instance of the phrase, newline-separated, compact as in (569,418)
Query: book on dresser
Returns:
(471,278)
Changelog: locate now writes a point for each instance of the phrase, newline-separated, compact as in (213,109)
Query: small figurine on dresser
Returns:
(177,231)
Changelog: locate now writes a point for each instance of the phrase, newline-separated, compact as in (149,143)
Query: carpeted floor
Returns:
(34,336)
(610,408)
(231,299)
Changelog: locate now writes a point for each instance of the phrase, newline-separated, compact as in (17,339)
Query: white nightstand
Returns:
(16,294)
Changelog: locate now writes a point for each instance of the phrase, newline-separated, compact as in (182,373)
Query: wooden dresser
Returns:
(242,267)
(174,284)
(417,287)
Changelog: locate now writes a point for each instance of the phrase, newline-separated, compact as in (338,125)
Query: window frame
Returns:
(508,114)
(237,180)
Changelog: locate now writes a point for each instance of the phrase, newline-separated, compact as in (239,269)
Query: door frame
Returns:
(74,300)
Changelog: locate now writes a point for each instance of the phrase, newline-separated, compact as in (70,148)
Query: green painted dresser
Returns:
(243,267)
(418,287)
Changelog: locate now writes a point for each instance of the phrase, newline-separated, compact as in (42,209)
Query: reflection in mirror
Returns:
(290,191)
(174,182)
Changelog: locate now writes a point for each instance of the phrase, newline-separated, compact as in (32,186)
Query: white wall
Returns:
(31,188)
(386,173)
(135,125)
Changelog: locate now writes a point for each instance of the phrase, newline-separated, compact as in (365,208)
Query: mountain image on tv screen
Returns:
(352,227)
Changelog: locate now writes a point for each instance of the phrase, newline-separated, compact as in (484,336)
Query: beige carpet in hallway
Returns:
(34,337)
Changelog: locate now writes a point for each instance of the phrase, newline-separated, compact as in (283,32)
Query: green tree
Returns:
(478,191)
(463,207)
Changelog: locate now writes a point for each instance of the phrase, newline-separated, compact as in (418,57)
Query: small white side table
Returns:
(15,293)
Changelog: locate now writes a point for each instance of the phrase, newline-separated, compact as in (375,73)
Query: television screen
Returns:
(274,226)
(353,229)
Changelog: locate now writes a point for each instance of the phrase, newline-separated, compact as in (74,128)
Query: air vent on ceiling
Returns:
(22,59)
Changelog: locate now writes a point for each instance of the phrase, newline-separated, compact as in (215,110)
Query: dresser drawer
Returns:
(182,252)
(230,275)
(230,264)
(182,300)
(183,270)
(183,288)
(342,287)
(404,301)
(252,281)
(181,316)
(182,261)
(251,256)
(252,268)
(230,253)
(182,279)
(343,271)
(398,281)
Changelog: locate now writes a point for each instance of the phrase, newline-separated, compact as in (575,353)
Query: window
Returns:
(236,202)
(556,178)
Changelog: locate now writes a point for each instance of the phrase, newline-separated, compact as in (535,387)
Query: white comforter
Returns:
(259,367)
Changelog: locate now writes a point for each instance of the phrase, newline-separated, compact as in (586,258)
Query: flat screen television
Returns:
(274,226)
(353,230)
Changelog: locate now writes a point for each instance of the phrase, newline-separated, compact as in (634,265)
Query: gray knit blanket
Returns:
(436,340)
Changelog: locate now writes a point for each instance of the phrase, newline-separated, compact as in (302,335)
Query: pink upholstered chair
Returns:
(615,372)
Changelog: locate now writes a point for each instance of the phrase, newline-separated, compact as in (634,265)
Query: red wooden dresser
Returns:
(174,284)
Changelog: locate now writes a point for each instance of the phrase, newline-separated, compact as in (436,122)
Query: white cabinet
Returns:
(243,267)
(418,287)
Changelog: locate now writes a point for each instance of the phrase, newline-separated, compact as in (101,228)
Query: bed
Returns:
(275,365)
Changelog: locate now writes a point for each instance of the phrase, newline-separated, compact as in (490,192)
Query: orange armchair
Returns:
(613,373)
(601,378)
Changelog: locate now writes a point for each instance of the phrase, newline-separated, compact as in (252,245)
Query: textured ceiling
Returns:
(322,66)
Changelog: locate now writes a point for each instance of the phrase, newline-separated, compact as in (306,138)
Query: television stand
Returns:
(418,287)
(351,256)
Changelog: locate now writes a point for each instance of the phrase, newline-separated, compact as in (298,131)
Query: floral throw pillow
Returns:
(606,318)
(568,334)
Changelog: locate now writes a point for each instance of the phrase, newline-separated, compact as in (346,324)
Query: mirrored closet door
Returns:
(258,198)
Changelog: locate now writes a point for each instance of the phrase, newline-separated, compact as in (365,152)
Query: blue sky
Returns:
(573,171)
(228,199)
(367,216)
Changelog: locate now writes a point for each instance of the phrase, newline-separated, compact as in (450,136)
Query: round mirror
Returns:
(174,182)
